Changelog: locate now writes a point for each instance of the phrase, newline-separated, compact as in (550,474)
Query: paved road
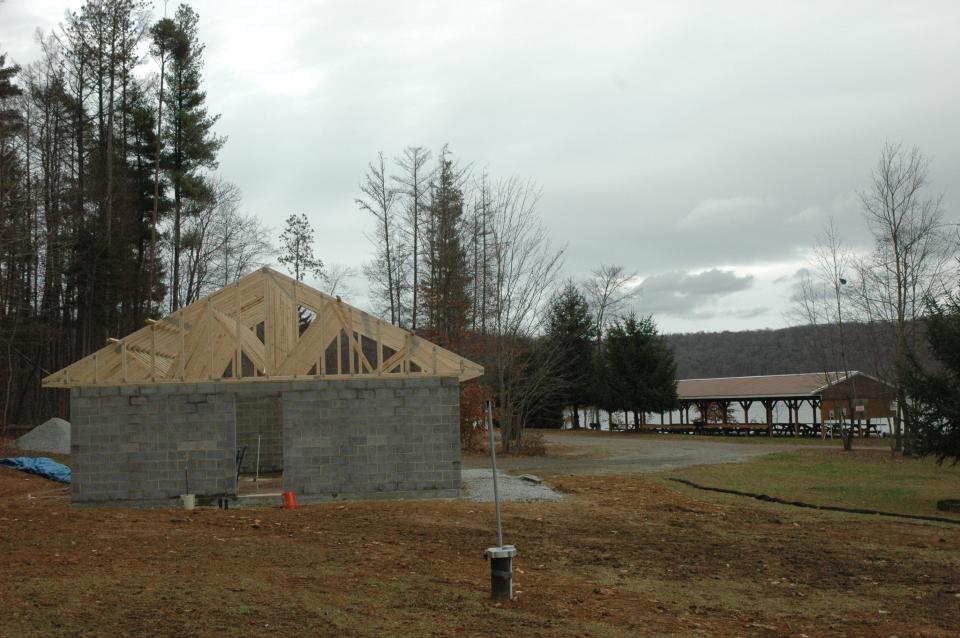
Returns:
(620,453)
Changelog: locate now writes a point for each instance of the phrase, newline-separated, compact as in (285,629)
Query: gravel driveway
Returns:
(478,486)
(624,452)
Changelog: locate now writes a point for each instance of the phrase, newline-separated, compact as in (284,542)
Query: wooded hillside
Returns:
(783,351)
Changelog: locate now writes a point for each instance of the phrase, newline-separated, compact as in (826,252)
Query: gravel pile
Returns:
(478,486)
(51,436)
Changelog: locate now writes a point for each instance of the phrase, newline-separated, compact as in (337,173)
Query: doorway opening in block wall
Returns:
(259,421)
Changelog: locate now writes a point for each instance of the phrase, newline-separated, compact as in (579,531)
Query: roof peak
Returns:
(254,329)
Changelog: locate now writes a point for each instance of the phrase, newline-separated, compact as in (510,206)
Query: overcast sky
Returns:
(702,144)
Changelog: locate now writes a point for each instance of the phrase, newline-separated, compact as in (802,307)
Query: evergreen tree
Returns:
(569,331)
(446,280)
(163,40)
(934,393)
(296,248)
(190,142)
(638,372)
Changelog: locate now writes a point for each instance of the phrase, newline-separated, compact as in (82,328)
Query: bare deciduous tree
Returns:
(608,290)
(221,244)
(413,184)
(337,280)
(910,259)
(819,301)
(524,269)
(378,199)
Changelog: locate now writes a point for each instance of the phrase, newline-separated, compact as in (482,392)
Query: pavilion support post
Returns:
(745,405)
(814,406)
(768,407)
(793,406)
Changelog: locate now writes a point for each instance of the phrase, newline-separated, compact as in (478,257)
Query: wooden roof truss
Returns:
(266,326)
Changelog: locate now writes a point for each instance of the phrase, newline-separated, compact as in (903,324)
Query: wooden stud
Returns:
(153,352)
(183,348)
(339,351)
(238,357)
(379,350)
(322,355)
(210,339)
(352,366)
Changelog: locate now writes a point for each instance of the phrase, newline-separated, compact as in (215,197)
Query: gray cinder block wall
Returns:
(376,438)
(133,443)
(260,415)
(365,438)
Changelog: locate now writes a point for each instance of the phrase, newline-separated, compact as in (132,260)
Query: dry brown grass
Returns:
(621,556)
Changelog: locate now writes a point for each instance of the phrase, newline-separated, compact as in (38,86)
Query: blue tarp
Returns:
(45,467)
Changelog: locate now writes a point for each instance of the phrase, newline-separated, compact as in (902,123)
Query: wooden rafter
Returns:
(213,337)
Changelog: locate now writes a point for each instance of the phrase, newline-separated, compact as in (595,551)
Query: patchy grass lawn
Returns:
(862,479)
(620,556)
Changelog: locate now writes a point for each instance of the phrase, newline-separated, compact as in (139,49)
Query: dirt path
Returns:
(621,453)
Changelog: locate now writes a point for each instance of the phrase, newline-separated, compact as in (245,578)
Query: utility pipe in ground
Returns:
(501,556)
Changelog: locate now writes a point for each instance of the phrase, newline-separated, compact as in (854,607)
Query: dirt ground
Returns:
(619,556)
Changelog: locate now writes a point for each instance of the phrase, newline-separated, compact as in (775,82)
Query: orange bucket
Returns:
(289,501)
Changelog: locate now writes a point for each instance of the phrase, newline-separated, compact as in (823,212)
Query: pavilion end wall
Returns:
(138,445)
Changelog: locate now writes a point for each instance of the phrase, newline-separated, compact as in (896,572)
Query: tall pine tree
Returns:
(189,142)
(570,329)
(446,280)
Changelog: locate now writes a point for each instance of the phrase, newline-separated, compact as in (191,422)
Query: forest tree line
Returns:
(791,350)
(111,211)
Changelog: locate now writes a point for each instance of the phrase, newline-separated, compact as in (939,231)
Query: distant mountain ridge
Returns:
(784,351)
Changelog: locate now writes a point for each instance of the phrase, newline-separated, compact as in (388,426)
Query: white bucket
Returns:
(188,501)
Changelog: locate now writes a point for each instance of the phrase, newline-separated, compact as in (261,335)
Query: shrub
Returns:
(473,424)
(533,444)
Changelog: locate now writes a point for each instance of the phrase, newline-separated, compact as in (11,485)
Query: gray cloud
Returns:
(683,294)
(661,138)
(749,313)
